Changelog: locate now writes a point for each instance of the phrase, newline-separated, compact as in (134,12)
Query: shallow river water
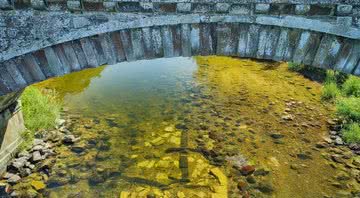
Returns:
(195,127)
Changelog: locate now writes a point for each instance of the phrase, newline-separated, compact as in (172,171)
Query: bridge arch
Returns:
(261,38)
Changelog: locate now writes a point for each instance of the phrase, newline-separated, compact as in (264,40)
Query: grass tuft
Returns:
(40,110)
(351,133)
(330,77)
(349,108)
(330,92)
(351,86)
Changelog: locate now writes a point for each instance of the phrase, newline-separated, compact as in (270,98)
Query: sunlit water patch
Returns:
(199,127)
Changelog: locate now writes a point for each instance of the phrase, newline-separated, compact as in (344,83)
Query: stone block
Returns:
(89,51)
(240,9)
(147,6)
(108,48)
(71,56)
(5,4)
(203,8)
(343,9)
(183,7)
(147,40)
(185,39)
(118,46)
(137,43)
(110,6)
(15,74)
(167,39)
(302,9)
(73,5)
(222,7)
(33,68)
(344,21)
(195,39)
(38,4)
(262,8)
(157,42)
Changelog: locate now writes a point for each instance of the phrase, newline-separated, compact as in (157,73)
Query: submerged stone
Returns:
(38,185)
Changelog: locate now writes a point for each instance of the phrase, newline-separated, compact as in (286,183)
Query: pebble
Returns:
(277,135)
(70,139)
(36,156)
(338,141)
(247,170)
(14,179)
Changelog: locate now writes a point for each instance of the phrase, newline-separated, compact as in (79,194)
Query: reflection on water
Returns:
(201,127)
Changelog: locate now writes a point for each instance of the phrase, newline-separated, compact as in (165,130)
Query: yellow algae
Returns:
(38,185)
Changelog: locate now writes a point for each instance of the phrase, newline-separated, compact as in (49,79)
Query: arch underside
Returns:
(229,39)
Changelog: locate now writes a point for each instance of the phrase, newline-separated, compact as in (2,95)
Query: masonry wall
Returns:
(11,127)
(229,39)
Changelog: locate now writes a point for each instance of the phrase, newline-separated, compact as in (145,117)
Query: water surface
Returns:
(185,127)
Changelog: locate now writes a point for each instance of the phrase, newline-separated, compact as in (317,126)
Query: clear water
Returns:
(179,127)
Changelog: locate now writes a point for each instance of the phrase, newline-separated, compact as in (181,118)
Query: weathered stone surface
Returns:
(157,42)
(183,7)
(302,9)
(195,39)
(70,42)
(262,8)
(241,9)
(186,39)
(222,7)
(327,51)
(343,9)
(127,45)
(137,43)
(89,51)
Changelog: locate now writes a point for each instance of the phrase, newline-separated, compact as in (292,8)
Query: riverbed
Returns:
(197,127)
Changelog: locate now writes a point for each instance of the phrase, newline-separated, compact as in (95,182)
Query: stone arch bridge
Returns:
(40,39)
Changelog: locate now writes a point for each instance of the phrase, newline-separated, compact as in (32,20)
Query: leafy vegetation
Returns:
(40,111)
(330,92)
(351,133)
(349,108)
(351,87)
(295,66)
(345,91)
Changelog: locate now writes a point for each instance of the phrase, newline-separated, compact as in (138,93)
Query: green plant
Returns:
(330,77)
(349,108)
(351,133)
(40,110)
(330,92)
(295,66)
(351,87)
(28,138)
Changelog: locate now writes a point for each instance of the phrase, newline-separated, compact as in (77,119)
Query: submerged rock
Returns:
(38,185)
(14,179)
(247,170)
(70,139)
(277,135)
(265,187)
(338,141)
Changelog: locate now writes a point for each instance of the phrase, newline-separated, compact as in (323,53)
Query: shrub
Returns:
(349,108)
(40,111)
(351,87)
(295,66)
(351,133)
(330,92)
